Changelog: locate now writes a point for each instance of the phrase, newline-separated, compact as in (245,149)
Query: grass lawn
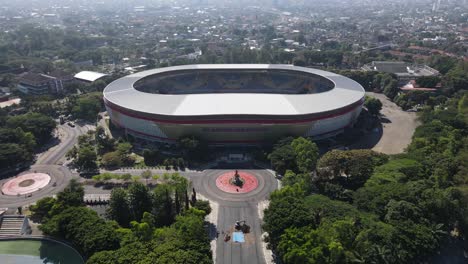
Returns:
(37,251)
(20,247)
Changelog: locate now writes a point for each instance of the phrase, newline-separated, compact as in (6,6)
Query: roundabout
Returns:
(247,182)
(235,201)
(25,184)
(219,185)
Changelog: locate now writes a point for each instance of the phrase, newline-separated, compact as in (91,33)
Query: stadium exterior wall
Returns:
(248,131)
(231,128)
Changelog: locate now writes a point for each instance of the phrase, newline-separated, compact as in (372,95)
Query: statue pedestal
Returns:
(237,180)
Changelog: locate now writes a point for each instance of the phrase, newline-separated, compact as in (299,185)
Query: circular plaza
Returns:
(248,182)
(26,184)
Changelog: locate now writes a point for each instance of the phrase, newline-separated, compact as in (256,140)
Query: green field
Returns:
(45,251)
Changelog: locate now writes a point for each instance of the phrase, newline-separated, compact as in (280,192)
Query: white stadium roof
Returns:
(89,76)
(122,93)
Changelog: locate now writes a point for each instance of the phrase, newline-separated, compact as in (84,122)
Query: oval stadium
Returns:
(233,103)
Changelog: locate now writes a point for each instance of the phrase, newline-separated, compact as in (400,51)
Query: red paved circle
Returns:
(223,182)
(25,184)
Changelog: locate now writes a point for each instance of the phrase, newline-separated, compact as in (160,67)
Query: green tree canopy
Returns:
(86,159)
(87,107)
(307,154)
(373,105)
(83,228)
(72,195)
(119,208)
(283,158)
(140,200)
(111,160)
(39,125)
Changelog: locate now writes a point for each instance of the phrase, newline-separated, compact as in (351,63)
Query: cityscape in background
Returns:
(234,131)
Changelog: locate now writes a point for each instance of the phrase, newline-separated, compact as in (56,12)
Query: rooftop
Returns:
(34,78)
(123,94)
(400,68)
(89,76)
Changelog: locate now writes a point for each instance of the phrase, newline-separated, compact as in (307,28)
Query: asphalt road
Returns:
(232,207)
(59,174)
(68,138)
(49,162)
(235,207)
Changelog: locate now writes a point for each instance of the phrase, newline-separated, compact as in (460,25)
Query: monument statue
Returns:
(237,180)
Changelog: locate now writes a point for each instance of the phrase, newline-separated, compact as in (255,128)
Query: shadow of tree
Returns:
(56,253)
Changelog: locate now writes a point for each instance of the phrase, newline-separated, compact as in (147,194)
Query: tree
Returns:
(124,150)
(18,136)
(286,210)
(293,249)
(86,159)
(203,205)
(185,242)
(193,148)
(144,230)
(352,166)
(104,143)
(87,107)
(12,155)
(180,163)
(151,157)
(163,205)
(111,160)
(193,198)
(40,210)
(41,126)
(373,105)
(401,211)
(119,208)
(139,200)
(99,85)
(72,195)
(126,176)
(289,178)
(146,175)
(391,89)
(395,210)
(307,154)
(190,224)
(428,81)
(83,228)
(177,199)
(283,158)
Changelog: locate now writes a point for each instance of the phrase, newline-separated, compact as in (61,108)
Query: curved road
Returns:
(231,207)
(49,162)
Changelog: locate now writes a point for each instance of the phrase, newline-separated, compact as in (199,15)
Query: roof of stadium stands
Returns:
(336,92)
